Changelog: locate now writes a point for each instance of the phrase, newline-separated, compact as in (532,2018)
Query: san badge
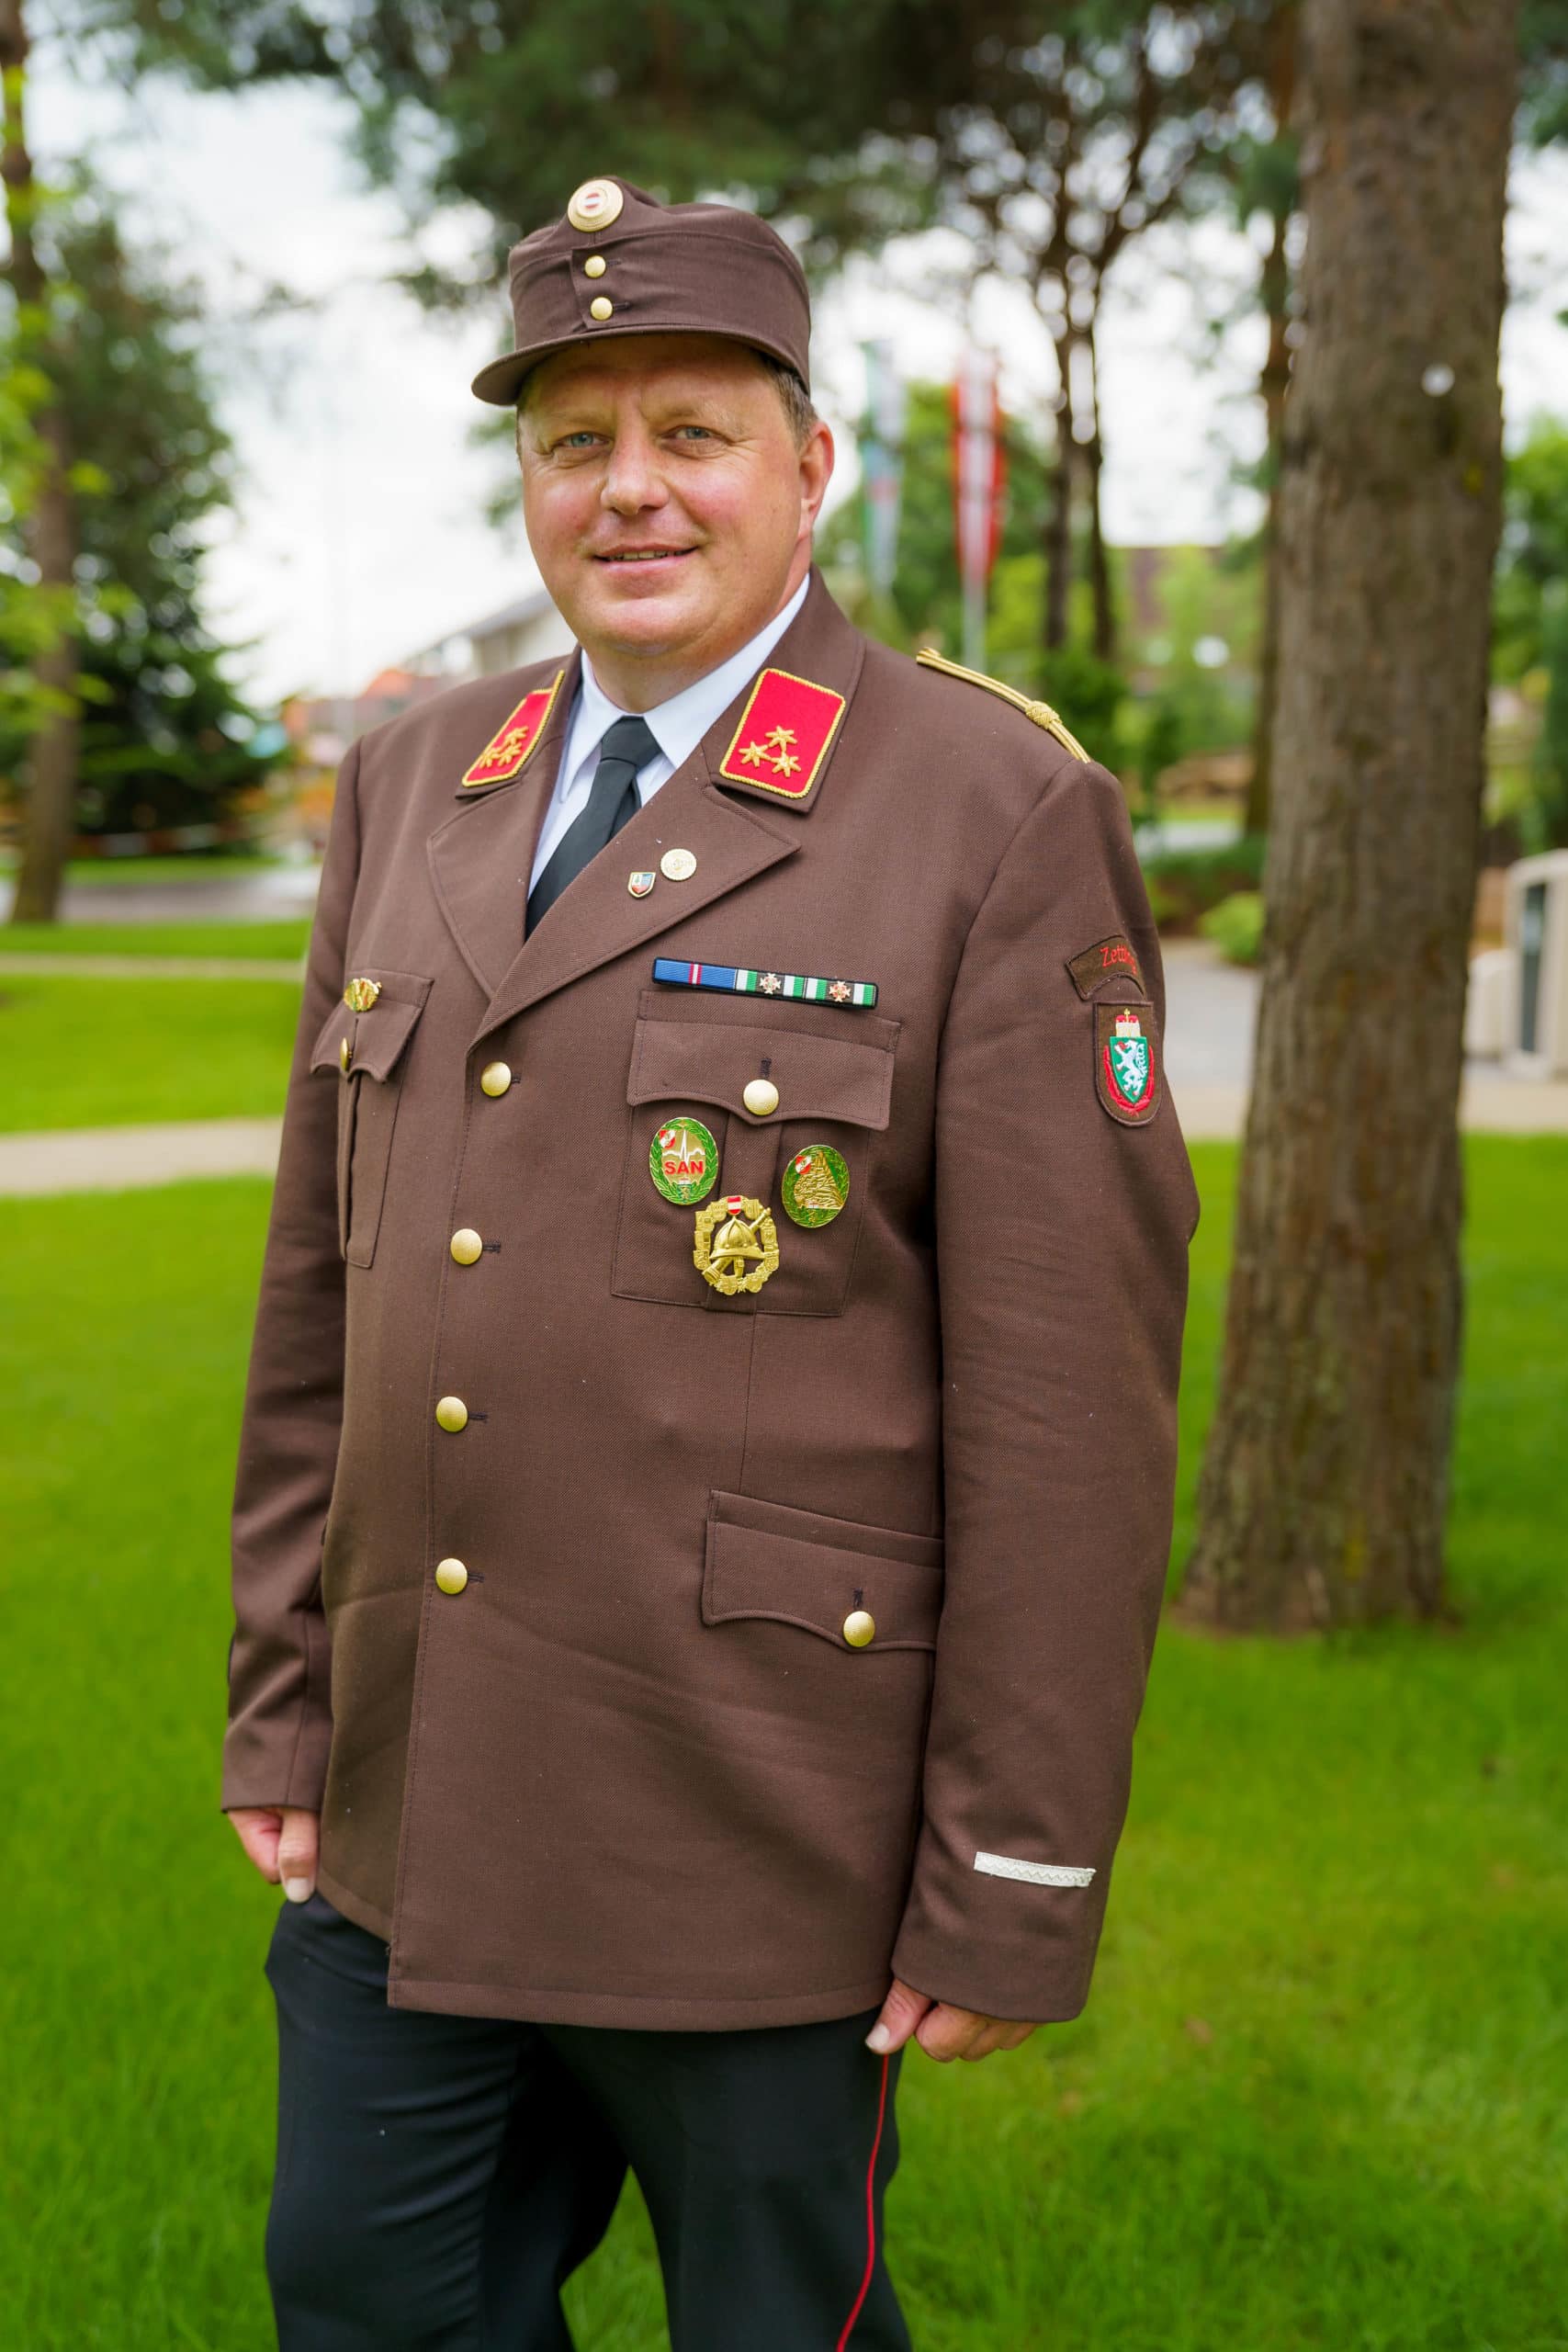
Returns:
(815,1184)
(683,1160)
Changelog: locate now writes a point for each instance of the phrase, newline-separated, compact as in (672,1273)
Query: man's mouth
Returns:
(642,555)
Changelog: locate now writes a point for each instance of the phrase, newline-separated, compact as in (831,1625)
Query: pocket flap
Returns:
(770,1560)
(376,1036)
(701,1054)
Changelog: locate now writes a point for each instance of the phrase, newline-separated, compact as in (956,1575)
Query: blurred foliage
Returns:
(1543,822)
(1533,556)
(1181,689)
(1184,885)
(1235,926)
(926,608)
(31,618)
(859,117)
(166,739)
(1530,629)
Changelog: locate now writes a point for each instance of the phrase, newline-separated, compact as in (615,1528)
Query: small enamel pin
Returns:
(640,883)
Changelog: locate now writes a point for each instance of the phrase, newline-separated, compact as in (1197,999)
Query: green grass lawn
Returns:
(87,1053)
(1319,2100)
(247,940)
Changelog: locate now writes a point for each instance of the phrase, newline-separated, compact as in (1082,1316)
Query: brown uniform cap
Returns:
(621,263)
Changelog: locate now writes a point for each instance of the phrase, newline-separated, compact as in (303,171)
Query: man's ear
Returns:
(815,470)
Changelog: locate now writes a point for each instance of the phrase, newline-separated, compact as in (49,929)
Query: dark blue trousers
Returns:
(439,2178)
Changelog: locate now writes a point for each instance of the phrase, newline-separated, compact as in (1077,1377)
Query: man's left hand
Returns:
(941,2030)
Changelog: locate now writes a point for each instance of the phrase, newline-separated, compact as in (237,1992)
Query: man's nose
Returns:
(632,480)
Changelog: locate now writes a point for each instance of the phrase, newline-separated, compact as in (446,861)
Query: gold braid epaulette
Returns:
(1041,712)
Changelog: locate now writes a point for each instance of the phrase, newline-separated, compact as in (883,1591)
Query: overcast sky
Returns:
(361,535)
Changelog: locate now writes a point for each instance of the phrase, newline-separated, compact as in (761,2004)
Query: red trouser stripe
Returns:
(849,2326)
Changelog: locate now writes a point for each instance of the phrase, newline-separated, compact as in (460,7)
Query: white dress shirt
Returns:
(678,726)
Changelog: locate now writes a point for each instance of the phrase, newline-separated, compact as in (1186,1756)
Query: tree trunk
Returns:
(1274,288)
(1099,560)
(1325,1485)
(1274,384)
(49,809)
(1059,512)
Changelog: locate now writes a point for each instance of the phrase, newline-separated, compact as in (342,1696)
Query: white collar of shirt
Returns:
(678,726)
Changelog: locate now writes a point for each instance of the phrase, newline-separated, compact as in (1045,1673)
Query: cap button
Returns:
(595,265)
(601,307)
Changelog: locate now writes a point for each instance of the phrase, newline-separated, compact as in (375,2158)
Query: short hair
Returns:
(799,414)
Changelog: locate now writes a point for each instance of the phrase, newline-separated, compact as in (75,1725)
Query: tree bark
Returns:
(1059,509)
(49,809)
(1094,472)
(1274,286)
(1324,1490)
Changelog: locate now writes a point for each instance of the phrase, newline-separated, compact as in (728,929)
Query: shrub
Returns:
(1235,926)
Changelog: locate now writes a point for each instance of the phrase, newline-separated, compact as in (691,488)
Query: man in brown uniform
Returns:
(686,1704)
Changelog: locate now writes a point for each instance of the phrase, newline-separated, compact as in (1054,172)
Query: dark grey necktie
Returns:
(613,801)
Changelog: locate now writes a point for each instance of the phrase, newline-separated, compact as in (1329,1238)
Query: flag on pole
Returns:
(881,464)
(978,479)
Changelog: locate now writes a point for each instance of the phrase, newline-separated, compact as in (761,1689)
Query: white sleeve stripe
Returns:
(1033,1873)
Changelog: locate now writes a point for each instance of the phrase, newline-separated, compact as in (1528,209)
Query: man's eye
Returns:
(692,432)
(583,440)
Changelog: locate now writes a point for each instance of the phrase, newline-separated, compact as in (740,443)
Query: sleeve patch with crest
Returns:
(1108,959)
(1127,1061)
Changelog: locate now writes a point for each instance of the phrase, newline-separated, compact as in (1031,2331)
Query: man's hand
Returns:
(282,1841)
(941,2030)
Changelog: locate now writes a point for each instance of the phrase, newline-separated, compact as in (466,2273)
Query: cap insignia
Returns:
(595,204)
(516,739)
(785,735)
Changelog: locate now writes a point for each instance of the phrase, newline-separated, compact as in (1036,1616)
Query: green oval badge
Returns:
(815,1184)
(682,1160)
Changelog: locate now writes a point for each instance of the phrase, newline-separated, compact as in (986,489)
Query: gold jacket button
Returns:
(345,1053)
(451,1574)
(452,1413)
(760,1096)
(594,266)
(601,307)
(466,1245)
(860,1627)
(495,1077)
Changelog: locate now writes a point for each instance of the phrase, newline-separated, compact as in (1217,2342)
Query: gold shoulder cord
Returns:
(1041,712)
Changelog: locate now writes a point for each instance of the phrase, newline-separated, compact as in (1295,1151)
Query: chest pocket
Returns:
(367,1051)
(834,1075)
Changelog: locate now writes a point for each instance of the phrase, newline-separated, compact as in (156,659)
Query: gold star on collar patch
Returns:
(515,740)
(785,733)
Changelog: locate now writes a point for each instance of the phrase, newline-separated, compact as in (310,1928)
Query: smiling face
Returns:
(668,507)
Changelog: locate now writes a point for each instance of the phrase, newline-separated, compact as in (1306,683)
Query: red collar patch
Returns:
(785,731)
(515,741)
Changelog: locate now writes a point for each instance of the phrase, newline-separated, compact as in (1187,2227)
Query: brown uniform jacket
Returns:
(633,1774)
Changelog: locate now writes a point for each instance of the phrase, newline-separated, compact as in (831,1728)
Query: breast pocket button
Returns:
(760,1096)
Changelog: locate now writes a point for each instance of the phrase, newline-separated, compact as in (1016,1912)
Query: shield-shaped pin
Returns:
(640,884)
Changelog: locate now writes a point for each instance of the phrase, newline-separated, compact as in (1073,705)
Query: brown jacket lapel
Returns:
(732,829)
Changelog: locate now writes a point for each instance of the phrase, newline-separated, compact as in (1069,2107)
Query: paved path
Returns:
(116,1160)
(269,894)
(153,968)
